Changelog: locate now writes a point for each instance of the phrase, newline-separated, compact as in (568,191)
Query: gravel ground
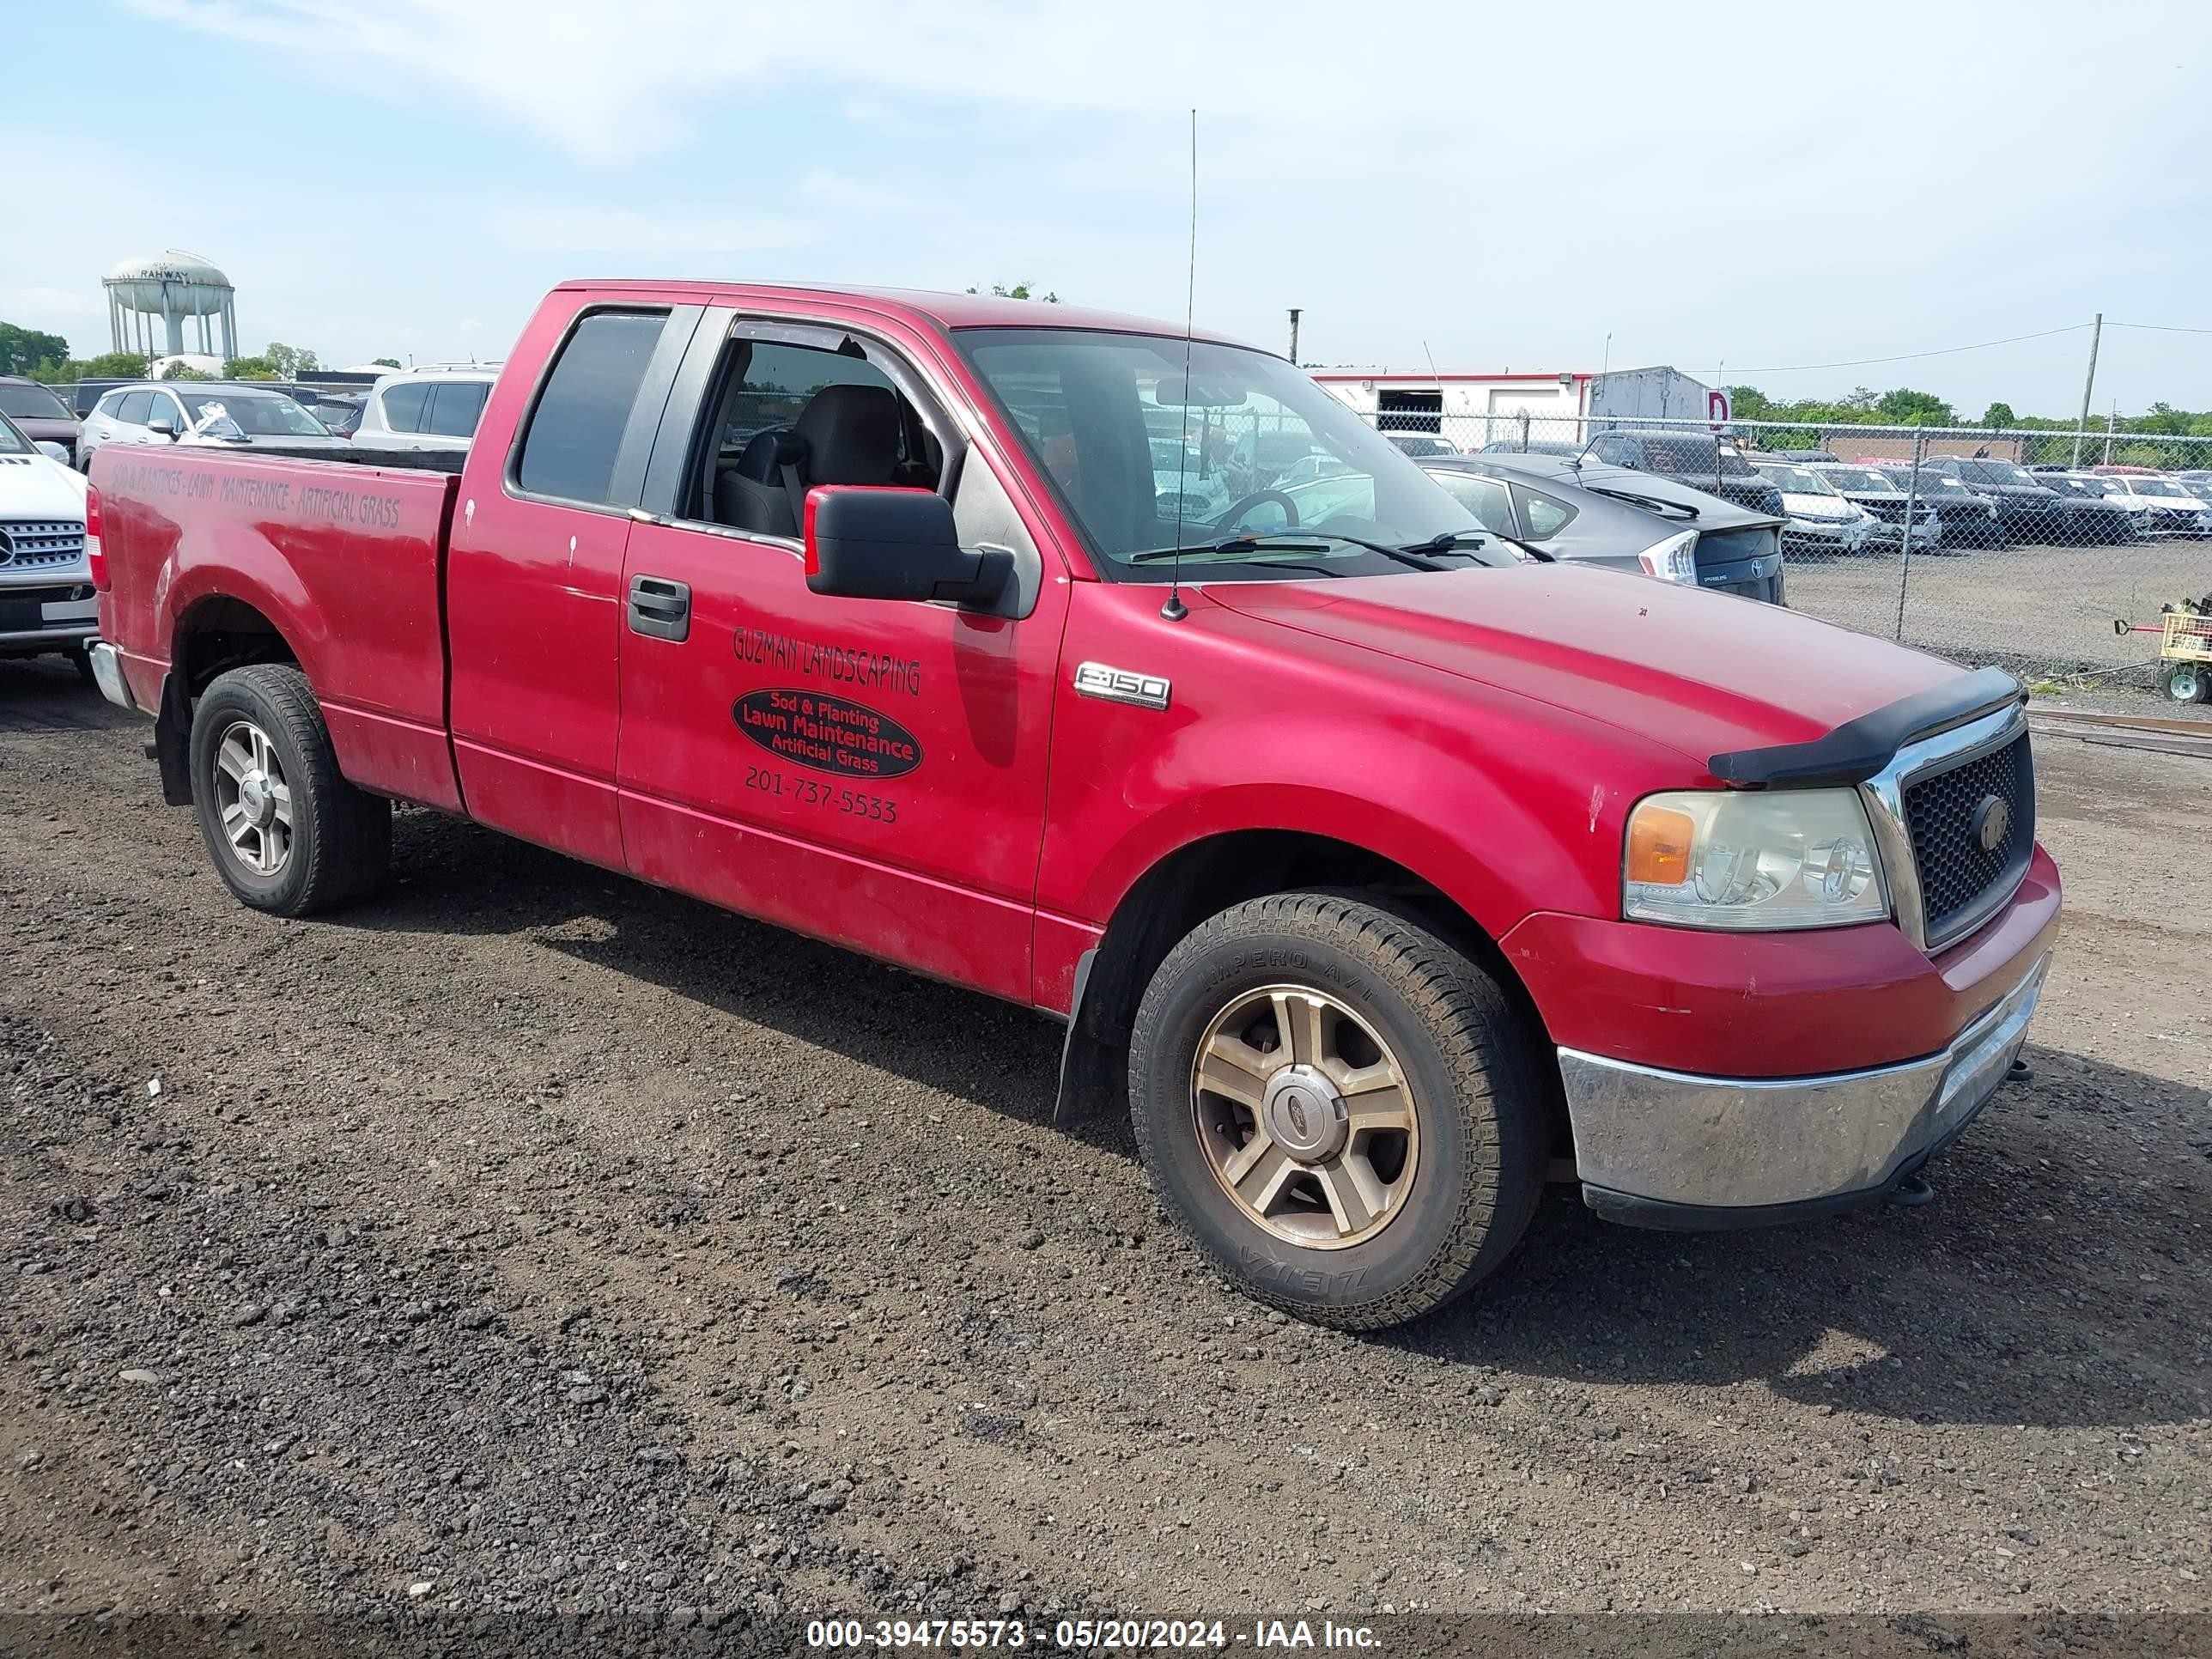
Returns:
(2032,608)
(531,1239)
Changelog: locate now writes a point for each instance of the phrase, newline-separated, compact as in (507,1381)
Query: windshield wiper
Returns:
(1285,541)
(1445,541)
(1651,503)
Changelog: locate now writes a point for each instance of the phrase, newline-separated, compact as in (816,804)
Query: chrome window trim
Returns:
(1884,795)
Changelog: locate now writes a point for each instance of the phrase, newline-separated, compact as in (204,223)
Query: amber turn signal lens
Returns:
(1659,841)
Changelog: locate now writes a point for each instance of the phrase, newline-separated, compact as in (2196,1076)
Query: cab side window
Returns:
(576,430)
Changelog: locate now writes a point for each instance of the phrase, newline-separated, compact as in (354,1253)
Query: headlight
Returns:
(1675,560)
(1753,860)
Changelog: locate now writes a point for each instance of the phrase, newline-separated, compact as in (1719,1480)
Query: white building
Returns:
(1470,409)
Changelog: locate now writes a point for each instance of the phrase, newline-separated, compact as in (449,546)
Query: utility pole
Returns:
(2088,386)
(1294,336)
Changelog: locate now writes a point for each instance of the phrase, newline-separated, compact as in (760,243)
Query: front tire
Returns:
(289,835)
(2188,681)
(1341,1109)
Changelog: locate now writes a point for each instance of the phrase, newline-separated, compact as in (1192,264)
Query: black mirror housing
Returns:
(868,542)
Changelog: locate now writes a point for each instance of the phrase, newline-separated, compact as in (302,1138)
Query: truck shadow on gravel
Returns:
(455,878)
(2017,1297)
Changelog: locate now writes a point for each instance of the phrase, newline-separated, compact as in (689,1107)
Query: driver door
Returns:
(868,771)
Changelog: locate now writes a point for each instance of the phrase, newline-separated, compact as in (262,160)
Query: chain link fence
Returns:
(2020,547)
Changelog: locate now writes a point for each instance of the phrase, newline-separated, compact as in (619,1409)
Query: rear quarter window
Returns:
(455,408)
(404,405)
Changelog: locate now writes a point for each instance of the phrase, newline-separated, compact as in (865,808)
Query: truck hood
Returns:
(35,487)
(1703,673)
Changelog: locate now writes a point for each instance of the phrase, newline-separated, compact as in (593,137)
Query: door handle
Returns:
(659,608)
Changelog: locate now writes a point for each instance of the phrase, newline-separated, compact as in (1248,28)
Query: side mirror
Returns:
(867,543)
(163,426)
(54,451)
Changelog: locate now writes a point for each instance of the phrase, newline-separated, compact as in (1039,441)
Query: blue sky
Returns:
(1501,187)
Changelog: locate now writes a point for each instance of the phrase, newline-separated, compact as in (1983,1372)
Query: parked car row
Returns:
(1980,502)
(430,409)
(1654,509)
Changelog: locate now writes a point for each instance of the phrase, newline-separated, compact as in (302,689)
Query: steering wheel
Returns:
(1229,520)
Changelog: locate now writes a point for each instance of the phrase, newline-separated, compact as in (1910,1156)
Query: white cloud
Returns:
(563,227)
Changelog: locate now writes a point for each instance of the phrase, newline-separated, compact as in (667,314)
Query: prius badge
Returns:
(1098,679)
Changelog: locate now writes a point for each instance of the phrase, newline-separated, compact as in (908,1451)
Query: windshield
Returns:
(258,414)
(1694,455)
(12,441)
(1270,474)
(1854,477)
(1797,481)
(1996,473)
(32,403)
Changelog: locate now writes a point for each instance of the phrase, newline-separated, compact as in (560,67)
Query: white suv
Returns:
(181,412)
(47,601)
(428,408)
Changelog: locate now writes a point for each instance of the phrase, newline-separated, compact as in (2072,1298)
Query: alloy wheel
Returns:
(252,799)
(1305,1115)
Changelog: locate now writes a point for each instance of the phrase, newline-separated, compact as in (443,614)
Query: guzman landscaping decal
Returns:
(827,733)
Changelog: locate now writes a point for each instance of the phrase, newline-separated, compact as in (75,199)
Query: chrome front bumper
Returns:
(1669,1149)
(108,674)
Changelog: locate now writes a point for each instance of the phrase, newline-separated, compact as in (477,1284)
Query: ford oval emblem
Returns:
(1992,823)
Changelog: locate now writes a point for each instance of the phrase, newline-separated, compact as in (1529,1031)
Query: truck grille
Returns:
(39,545)
(1946,813)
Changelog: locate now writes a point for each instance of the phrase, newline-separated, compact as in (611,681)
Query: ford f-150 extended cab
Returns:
(1392,871)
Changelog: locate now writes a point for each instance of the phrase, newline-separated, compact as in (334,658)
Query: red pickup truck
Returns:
(1394,870)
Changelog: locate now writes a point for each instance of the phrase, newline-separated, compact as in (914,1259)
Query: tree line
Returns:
(38,355)
(1905,406)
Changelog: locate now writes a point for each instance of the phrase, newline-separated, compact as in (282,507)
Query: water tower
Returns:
(177,287)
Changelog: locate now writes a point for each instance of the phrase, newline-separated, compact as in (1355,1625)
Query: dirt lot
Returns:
(532,1239)
(2030,606)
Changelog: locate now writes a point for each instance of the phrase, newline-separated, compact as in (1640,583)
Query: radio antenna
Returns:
(1175,610)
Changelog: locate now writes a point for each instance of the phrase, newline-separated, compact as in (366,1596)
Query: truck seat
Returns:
(847,435)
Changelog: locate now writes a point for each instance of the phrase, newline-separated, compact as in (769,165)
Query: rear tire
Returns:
(1370,1225)
(2188,681)
(289,835)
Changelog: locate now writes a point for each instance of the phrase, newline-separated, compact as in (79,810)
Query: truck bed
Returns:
(341,555)
(402,460)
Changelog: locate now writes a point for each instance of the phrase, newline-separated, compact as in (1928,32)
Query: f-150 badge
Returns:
(1098,679)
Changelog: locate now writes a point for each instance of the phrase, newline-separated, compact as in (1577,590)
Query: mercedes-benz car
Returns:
(47,601)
